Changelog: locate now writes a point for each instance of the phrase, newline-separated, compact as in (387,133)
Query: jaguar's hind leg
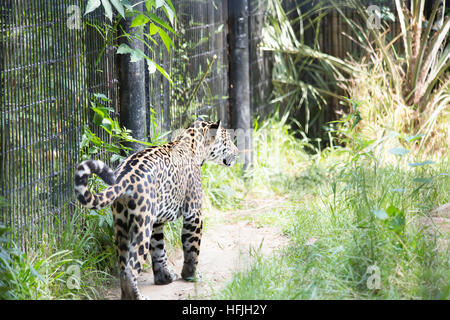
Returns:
(191,237)
(128,240)
(128,286)
(161,271)
(129,270)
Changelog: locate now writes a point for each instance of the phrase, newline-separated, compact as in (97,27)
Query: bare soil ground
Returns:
(226,248)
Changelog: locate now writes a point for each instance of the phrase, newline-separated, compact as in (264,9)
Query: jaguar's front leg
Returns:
(191,237)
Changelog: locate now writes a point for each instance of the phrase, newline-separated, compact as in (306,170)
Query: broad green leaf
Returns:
(97,119)
(108,9)
(159,21)
(115,157)
(106,123)
(421,164)
(101,96)
(123,48)
(119,7)
(149,4)
(380,214)
(169,13)
(166,39)
(135,54)
(113,149)
(92,5)
(397,218)
(159,3)
(393,211)
(127,4)
(99,111)
(93,138)
(169,3)
(164,73)
(102,110)
(398,151)
(153,29)
(139,20)
(84,141)
(93,150)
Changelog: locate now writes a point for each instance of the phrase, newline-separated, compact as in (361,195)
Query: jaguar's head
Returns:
(209,141)
(220,148)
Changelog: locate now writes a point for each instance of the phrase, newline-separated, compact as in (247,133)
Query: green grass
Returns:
(77,264)
(347,211)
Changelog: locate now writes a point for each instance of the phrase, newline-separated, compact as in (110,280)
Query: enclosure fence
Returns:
(49,73)
(51,65)
(47,76)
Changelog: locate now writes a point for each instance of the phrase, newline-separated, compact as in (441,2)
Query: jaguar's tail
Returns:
(84,196)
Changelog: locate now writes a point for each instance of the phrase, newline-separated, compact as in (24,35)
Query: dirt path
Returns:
(225,248)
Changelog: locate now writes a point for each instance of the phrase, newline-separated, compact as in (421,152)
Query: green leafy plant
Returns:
(404,81)
(91,144)
(303,76)
(31,276)
(141,22)
(355,215)
(5,263)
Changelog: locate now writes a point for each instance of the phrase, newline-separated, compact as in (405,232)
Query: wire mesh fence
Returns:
(260,61)
(51,65)
(48,73)
(200,42)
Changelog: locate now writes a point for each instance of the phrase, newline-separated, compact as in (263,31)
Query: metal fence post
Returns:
(132,107)
(239,77)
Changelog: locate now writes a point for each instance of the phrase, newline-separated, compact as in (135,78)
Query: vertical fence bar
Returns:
(239,77)
(132,85)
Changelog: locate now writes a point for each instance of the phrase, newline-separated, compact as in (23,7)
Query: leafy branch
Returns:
(92,144)
(146,19)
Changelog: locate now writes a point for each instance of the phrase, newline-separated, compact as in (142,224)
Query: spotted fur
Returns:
(151,187)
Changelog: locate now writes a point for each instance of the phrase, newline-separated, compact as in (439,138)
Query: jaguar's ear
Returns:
(216,125)
(214,129)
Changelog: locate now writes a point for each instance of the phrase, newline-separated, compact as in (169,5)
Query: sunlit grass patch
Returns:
(353,220)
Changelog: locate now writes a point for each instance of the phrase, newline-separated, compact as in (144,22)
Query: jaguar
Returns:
(151,187)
